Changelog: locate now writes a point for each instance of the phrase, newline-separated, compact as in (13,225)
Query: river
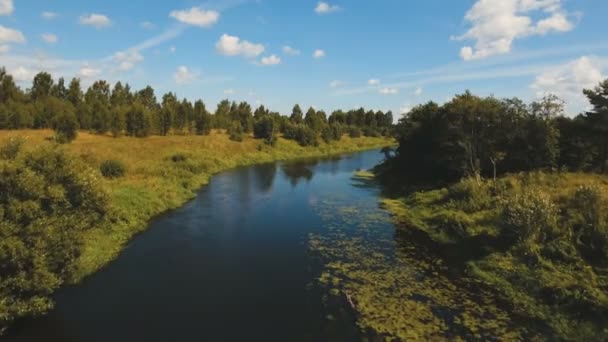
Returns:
(233,264)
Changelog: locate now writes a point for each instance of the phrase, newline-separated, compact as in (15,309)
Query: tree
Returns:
(97,100)
(297,117)
(41,86)
(66,127)
(597,121)
(138,120)
(167,113)
(265,128)
(202,119)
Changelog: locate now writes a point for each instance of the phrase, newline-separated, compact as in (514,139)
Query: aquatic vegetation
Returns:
(397,287)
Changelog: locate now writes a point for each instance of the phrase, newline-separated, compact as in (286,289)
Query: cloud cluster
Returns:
(183,75)
(325,8)
(233,46)
(495,24)
(127,60)
(568,80)
(271,60)
(288,50)
(50,38)
(373,82)
(389,91)
(196,16)
(49,15)
(319,54)
(6,7)
(98,21)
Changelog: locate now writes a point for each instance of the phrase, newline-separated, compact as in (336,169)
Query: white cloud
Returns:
(183,75)
(4,49)
(172,49)
(6,7)
(49,15)
(335,83)
(325,8)
(196,16)
(373,82)
(127,59)
(228,91)
(233,46)
(568,80)
(89,72)
(9,35)
(50,38)
(418,91)
(405,109)
(497,23)
(288,50)
(96,20)
(318,54)
(388,91)
(147,25)
(271,60)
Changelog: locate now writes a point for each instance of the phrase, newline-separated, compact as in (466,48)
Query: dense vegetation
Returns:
(537,237)
(118,110)
(67,210)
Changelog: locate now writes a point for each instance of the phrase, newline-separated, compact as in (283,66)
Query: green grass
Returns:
(162,173)
(542,273)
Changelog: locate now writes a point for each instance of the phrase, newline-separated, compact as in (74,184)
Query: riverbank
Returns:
(536,242)
(162,173)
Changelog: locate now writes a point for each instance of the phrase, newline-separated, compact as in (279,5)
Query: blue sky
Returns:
(384,54)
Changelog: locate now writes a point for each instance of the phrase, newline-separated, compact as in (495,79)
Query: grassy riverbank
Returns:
(163,173)
(538,241)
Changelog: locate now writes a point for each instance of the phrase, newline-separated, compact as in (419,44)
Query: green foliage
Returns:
(354,132)
(47,201)
(531,216)
(302,134)
(236,131)
(112,169)
(10,150)
(138,121)
(589,218)
(266,128)
(66,127)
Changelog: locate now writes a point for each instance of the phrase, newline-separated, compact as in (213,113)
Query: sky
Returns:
(339,54)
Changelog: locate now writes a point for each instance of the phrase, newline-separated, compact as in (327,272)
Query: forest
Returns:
(513,197)
(118,110)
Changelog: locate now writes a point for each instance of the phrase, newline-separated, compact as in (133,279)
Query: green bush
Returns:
(11,148)
(179,157)
(531,216)
(66,127)
(47,200)
(303,134)
(112,169)
(589,218)
(471,194)
(236,131)
(354,132)
(266,129)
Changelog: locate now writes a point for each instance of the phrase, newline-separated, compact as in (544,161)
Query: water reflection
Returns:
(297,172)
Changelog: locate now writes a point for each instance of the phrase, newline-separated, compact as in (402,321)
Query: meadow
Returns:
(163,173)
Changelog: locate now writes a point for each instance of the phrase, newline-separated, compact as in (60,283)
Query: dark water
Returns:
(231,265)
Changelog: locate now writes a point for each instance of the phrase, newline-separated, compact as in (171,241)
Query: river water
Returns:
(231,265)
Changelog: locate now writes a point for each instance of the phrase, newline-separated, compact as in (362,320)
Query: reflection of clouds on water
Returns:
(313,200)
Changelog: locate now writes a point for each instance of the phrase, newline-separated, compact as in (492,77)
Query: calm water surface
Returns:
(231,265)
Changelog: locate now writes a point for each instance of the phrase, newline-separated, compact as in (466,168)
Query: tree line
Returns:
(486,137)
(119,110)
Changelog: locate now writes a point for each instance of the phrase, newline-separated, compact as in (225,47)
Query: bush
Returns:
(47,200)
(471,194)
(11,148)
(112,169)
(354,132)
(587,211)
(303,134)
(236,131)
(266,129)
(66,127)
(530,216)
(179,157)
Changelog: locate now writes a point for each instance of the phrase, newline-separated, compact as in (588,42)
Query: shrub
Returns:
(303,134)
(11,148)
(354,132)
(471,194)
(47,200)
(236,131)
(587,210)
(112,169)
(530,216)
(179,157)
(66,127)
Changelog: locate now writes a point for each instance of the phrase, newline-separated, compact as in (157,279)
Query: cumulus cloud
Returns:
(388,91)
(9,35)
(89,72)
(495,24)
(404,109)
(183,75)
(325,8)
(172,49)
(373,82)
(48,15)
(233,46)
(50,38)
(568,80)
(96,20)
(4,49)
(196,16)
(318,54)
(418,91)
(6,7)
(288,50)
(127,60)
(271,60)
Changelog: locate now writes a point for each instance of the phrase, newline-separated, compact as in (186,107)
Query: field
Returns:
(163,173)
